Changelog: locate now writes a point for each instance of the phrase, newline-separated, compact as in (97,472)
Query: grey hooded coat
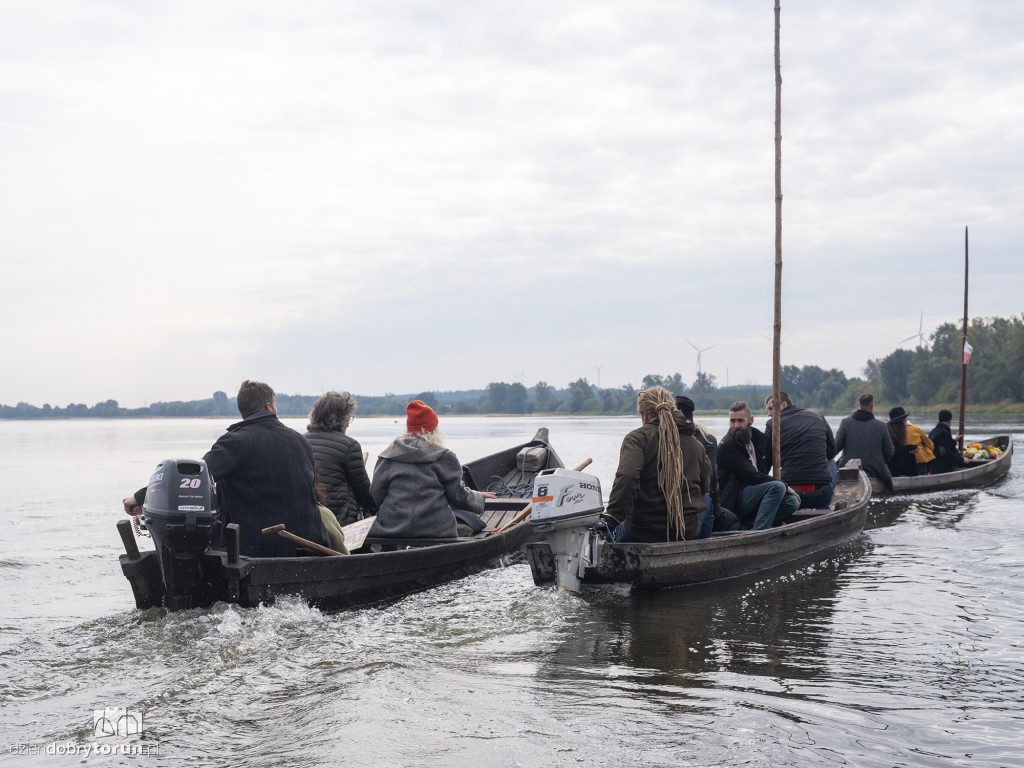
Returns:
(416,485)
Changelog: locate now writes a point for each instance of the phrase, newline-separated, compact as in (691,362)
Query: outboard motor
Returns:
(566,505)
(180,513)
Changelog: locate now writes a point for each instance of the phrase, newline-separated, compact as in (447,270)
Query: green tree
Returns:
(429,399)
(873,375)
(652,380)
(896,368)
(544,397)
(580,394)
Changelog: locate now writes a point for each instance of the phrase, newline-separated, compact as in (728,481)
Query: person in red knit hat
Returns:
(417,482)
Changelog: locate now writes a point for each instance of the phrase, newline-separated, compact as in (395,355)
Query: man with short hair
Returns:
(947,453)
(745,487)
(265,475)
(862,436)
(808,449)
(714,517)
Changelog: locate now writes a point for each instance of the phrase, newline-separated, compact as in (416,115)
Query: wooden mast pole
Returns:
(776,336)
(963,359)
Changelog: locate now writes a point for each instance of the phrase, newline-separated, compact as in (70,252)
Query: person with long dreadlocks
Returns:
(663,475)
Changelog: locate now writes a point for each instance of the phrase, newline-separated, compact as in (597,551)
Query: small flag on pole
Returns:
(968,351)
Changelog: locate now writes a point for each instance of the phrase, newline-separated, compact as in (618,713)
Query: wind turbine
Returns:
(599,367)
(919,335)
(780,340)
(705,349)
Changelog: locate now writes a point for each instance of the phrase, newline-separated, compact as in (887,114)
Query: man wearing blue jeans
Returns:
(745,487)
(807,452)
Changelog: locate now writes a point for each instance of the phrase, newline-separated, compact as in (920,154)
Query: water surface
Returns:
(900,648)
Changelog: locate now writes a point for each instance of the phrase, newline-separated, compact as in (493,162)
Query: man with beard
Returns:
(745,487)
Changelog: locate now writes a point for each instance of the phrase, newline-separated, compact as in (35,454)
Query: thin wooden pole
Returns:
(776,337)
(963,360)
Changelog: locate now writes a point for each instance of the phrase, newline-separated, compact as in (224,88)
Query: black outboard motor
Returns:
(180,513)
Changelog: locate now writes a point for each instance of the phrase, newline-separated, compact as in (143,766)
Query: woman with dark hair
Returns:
(339,458)
(903,462)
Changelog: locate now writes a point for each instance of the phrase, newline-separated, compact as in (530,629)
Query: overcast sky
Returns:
(410,195)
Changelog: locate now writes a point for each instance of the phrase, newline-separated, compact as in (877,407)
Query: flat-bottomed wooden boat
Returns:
(639,566)
(379,569)
(977,474)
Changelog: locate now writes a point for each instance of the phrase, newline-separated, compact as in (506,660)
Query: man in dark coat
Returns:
(715,517)
(808,451)
(745,487)
(947,453)
(264,473)
(862,436)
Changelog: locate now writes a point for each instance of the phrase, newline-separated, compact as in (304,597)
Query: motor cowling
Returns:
(566,506)
(180,513)
(565,497)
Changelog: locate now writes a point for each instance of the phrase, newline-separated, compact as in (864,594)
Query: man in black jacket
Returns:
(947,453)
(808,452)
(745,487)
(265,475)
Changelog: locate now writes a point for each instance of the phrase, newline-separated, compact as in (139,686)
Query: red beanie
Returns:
(420,417)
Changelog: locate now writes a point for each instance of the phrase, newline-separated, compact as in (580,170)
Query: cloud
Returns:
(405,196)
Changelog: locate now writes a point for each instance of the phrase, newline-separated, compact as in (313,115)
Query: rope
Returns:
(524,486)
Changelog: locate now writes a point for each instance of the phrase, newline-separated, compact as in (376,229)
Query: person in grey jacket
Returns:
(862,436)
(418,482)
(339,458)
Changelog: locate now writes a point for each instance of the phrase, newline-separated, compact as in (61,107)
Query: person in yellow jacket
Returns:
(916,436)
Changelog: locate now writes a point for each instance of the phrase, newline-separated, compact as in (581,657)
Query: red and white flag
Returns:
(968,351)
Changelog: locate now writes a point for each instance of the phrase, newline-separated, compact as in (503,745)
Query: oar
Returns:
(529,507)
(279,530)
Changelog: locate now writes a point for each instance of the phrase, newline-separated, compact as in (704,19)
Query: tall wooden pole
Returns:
(776,336)
(963,359)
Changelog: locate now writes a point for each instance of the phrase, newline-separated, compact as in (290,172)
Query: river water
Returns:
(902,647)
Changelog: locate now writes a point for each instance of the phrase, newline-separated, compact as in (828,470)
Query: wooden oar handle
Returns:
(280,531)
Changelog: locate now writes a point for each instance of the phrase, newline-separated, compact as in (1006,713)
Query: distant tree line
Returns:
(580,397)
(928,375)
(932,375)
(925,376)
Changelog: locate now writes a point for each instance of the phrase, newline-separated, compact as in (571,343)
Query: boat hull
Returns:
(978,475)
(380,569)
(330,582)
(639,567)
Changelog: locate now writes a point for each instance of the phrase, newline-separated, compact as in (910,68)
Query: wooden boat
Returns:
(379,569)
(977,474)
(638,567)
